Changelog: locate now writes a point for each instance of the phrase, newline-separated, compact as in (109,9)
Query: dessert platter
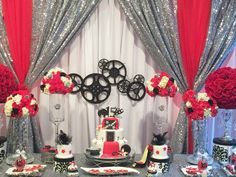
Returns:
(229,170)
(110,171)
(193,170)
(109,145)
(28,170)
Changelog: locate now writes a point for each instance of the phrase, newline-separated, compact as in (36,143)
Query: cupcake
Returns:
(72,169)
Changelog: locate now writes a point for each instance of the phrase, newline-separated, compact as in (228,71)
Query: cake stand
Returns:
(99,162)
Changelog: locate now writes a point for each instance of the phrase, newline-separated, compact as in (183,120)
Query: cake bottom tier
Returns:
(61,165)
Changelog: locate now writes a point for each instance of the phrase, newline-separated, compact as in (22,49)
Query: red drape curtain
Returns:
(18,21)
(193,21)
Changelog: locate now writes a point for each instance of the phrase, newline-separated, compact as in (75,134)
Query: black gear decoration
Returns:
(102,63)
(114,71)
(77,81)
(95,88)
(136,91)
(123,86)
(139,78)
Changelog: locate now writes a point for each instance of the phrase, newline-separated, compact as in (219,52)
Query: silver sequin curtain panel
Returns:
(155,22)
(55,23)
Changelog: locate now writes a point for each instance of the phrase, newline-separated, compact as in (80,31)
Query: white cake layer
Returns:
(101,134)
(160,151)
(64,151)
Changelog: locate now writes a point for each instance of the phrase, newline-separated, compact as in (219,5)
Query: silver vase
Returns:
(199,131)
(18,139)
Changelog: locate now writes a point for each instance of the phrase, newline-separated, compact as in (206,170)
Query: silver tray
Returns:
(99,161)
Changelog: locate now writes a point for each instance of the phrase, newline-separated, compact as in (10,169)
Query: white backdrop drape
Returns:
(108,35)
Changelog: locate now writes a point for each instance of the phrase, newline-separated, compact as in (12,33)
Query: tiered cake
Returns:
(64,153)
(109,141)
(159,161)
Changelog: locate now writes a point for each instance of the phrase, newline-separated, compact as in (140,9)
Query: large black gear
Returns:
(95,88)
(136,91)
(77,81)
(114,71)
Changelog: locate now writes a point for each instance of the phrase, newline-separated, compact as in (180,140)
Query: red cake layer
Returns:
(110,149)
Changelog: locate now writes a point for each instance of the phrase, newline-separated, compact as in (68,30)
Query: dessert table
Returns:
(179,160)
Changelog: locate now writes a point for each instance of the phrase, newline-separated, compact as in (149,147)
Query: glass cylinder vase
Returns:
(160,115)
(199,132)
(56,111)
(18,139)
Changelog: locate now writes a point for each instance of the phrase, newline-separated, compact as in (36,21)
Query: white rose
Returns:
(33,102)
(202,96)
(8,108)
(188,104)
(25,111)
(46,88)
(67,82)
(163,82)
(207,112)
(149,86)
(17,98)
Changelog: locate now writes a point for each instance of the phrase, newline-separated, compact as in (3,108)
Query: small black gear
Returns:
(123,86)
(139,78)
(136,91)
(77,81)
(102,63)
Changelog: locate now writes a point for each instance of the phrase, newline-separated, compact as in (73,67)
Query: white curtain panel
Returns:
(108,35)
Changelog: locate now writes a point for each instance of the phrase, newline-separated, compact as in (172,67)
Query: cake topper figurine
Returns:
(103,112)
(110,112)
(159,139)
(63,138)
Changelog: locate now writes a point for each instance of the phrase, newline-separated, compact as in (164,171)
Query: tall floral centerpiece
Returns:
(221,85)
(20,106)
(198,107)
(56,83)
(161,86)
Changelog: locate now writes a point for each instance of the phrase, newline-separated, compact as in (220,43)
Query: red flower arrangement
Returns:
(56,81)
(221,85)
(7,83)
(199,106)
(162,85)
(20,104)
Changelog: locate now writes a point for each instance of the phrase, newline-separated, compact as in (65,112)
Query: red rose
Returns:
(221,85)
(7,83)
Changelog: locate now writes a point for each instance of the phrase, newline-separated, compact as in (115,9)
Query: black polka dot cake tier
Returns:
(64,153)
